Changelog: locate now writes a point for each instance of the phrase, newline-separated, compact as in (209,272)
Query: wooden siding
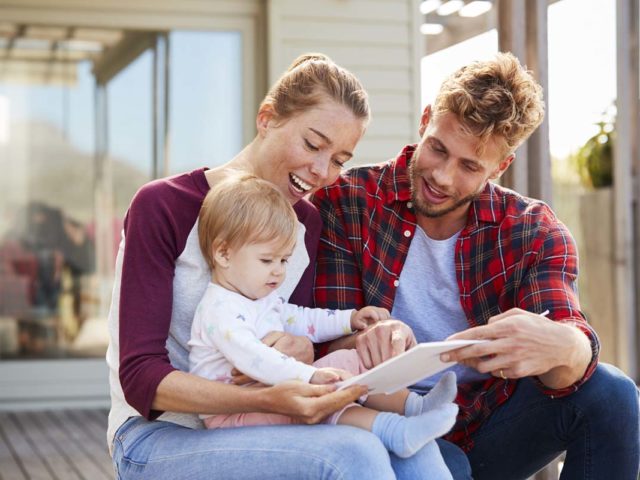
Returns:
(375,39)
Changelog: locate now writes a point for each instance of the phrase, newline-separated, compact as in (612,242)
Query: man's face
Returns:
(446,171)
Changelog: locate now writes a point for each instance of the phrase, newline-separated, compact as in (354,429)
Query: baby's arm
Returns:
(317,324)
(322,325)
(233,334)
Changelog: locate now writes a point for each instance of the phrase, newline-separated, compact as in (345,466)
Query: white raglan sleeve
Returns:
(317,324)
(234,334)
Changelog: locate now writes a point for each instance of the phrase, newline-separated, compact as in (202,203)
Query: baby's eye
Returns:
(266,261)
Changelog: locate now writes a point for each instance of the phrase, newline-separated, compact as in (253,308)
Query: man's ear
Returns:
(265,116)
(424,120)
(502,166)
(220,253)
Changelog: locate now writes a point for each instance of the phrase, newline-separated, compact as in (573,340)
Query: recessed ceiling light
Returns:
(475,8)
(431,28)
(452,6)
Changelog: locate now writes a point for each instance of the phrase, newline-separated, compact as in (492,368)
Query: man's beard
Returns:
(426,209)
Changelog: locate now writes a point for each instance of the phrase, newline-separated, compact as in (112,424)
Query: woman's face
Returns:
(306,151)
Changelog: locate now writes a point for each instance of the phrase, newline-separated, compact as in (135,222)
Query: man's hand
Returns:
(308,403)
(299,348)
(524,344)
(384,340)
(361,319)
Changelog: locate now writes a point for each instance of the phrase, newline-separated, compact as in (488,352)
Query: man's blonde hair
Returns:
(244,209)
(311,78)
(494,98)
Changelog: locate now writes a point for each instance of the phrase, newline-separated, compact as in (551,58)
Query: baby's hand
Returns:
(361,319)
(324,376)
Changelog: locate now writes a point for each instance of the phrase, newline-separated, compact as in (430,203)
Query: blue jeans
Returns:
(598,427)
(162,450)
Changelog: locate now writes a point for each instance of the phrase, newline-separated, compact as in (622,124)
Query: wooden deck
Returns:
(68,445)
(63,445)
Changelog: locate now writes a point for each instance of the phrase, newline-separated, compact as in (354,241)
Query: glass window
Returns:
(47,205)
(62,206)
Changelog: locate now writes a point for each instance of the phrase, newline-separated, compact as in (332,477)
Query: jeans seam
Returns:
(323,460)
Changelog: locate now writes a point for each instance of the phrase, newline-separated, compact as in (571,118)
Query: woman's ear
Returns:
(265,116)
(220,254)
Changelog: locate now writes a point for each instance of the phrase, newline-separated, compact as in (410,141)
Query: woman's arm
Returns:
(183,392)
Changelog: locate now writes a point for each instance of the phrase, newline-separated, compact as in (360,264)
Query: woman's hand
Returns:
(327,375)
(308,403)
(299,348)
(361,319)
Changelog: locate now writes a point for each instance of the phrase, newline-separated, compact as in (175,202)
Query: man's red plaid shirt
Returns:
(513,252)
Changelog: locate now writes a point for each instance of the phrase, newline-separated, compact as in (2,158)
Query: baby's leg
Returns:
(403,436)
(247,420)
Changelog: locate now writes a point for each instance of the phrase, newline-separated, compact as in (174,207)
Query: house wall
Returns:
(378,40)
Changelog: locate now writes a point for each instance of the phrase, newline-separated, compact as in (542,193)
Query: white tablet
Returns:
(408,368)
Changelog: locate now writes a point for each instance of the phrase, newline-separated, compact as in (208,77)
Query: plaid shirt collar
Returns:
(397,185)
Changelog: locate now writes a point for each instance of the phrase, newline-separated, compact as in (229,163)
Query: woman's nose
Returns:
(320,167)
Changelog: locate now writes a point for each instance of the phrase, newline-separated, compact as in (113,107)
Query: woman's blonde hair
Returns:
(311,78)
(244,209)
(494,98)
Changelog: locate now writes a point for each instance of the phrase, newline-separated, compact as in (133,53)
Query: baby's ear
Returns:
(220,254)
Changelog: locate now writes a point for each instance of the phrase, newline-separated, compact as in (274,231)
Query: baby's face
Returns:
(257,269)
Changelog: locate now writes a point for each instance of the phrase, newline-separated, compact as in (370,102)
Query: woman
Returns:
(308,126)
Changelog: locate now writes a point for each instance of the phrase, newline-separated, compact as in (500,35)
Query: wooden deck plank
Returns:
(50,450)
(26,456)
(79,453)
(9,467)
(94,423)
(95,430)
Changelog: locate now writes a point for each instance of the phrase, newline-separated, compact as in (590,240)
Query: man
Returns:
(430,237)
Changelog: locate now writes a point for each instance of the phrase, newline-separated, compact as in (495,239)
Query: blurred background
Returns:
(98,97)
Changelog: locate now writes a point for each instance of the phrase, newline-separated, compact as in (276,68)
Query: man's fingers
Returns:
(398,343)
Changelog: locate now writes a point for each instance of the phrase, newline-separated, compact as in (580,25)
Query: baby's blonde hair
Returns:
(244,209)
(494,98)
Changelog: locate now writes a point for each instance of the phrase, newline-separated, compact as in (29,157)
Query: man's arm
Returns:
(561,350)
(524,344)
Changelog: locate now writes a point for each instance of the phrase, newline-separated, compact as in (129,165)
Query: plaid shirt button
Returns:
(409,204)
(396,283)
(407,233)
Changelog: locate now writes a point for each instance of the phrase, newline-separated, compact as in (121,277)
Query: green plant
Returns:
(594,160)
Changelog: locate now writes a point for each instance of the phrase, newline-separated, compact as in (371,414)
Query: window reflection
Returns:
(60,214)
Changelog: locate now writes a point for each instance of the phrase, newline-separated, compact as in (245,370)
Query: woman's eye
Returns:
(311,146)
(338,163)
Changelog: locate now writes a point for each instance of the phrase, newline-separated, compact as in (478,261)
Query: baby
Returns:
(247,232)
